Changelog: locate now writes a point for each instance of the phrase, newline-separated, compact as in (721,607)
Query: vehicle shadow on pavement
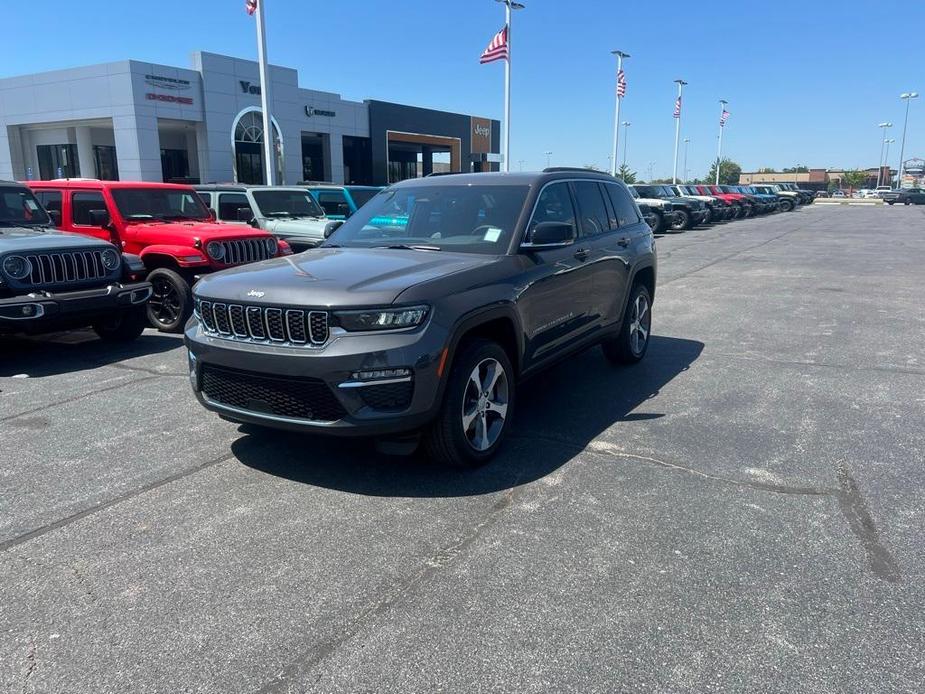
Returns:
(572,403)
(61,353)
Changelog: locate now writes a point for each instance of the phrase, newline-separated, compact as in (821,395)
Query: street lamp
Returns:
(548,154)
(886,159)
(907,97)
(616,117)
(626,124)
(687,141)
(509,6)
(883,127)
(521,163)
(651,167)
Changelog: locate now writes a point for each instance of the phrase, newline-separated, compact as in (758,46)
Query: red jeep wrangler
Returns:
(167,225)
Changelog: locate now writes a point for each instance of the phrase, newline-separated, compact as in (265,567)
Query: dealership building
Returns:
(131,120)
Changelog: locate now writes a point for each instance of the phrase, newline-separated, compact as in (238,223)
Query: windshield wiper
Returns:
(410,247)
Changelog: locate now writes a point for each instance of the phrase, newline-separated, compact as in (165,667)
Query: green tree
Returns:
(729,172)
(797,169)
(626,174)
(854,179)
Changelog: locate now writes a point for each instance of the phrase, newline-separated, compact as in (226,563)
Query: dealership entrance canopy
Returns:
(137,121)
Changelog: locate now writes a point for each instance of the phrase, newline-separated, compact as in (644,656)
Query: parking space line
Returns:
(75,398)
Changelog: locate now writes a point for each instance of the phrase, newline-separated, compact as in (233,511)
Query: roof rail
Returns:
(554,169)
(442,173)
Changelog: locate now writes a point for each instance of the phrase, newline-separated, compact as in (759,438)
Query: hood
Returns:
(654,202)
(293,228)
(335,277)
(181,233)
(24,239)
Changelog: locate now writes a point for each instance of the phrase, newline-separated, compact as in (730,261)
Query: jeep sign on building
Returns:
(137,121)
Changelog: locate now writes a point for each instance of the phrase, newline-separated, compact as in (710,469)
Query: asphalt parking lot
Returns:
(743,511)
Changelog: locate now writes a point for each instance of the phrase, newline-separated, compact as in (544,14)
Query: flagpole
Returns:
(677,132)
(626,142)
(616,118)
(719,151)
(507,90)
(268,135)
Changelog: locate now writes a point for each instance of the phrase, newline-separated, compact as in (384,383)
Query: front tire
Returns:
(682,221)
(125,326)
(631,345)
(786,206)
(171,302)
(477,408)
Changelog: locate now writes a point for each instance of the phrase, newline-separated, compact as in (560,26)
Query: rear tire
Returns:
(786,206)
(631,345)
(124,326)
(171,304)
(682,221)
(477,407)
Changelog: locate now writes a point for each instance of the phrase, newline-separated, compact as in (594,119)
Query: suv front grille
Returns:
(66,266)
(240,251)
(264,324)
(295,398)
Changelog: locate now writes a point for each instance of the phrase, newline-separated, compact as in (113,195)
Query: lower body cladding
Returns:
(354,385)
(44,311)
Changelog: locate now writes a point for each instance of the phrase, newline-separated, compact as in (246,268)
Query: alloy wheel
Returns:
(485,404)
(164,304)
(640,324)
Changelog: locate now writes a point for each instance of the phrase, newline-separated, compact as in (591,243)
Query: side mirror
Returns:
(99,218)
(55,216)
(245,214)
(550,235)
(212,215)
(331,227)
(343,209)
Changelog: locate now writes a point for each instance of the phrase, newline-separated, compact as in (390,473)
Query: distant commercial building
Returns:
(131,120)
(817,179)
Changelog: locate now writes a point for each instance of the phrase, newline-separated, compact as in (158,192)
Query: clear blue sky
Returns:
(807,82)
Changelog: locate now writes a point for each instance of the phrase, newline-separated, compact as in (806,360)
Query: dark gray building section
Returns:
(404,138)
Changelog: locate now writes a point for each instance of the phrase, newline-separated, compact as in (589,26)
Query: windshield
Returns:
(159,203)
(361,196)
(649,191)
(287,203)
(666,190)
(463,218)
(18,206)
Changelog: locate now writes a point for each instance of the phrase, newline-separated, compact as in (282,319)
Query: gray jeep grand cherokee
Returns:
(424,310)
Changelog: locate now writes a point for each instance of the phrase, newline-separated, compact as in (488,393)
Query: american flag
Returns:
(677,107)
(497,49)
(621,83)
(250,6)
(723,118)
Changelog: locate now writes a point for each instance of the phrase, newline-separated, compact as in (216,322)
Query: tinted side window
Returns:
(228,204)
(82,203)
(50,199)
(623,205)
(554,205)
(330,199)
(592,209)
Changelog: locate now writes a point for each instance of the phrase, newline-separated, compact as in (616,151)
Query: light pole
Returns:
(521,163)
(651,167)
(548,154)
(886,158)
(677,130)
(621,86)
(687,141)
(719,150)
(626,124)
(883,127)
(509,6)
(907,97)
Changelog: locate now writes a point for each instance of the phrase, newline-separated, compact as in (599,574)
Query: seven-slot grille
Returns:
(264,323)
(240,251)
(66,266)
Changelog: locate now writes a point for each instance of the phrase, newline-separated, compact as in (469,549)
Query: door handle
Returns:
(624,242)
(582,253)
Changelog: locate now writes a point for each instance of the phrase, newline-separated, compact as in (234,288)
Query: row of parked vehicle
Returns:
(682,207)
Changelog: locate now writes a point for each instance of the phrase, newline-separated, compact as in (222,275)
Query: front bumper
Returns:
(325,374)
(44,310)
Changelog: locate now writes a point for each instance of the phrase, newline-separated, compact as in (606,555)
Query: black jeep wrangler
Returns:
(424,310)
(52,280)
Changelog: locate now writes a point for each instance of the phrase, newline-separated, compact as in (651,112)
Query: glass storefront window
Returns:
(58,161)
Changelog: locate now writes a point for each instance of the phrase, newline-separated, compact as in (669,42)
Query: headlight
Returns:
(216,250)
(17,267)
(110,259)
(271,246)
(381,319)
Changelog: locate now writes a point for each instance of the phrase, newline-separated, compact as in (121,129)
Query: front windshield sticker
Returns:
(492,234)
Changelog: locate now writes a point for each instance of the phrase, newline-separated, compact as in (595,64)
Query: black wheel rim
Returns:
(680,221)
(164,305)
